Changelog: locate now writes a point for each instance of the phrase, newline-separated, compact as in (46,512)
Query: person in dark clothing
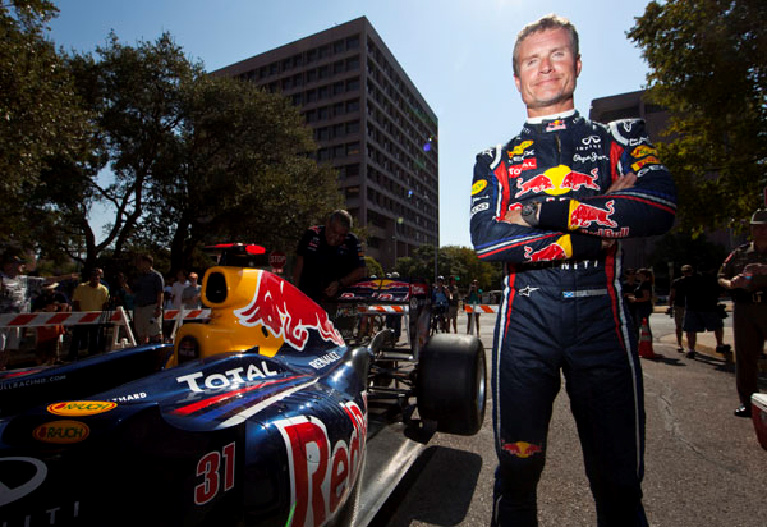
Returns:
(701,312)
(744,274)
(642,300)
(550,204)
(329,258)
(676,301)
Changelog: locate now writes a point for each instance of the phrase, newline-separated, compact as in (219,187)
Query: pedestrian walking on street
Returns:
(744,274)
(550,204)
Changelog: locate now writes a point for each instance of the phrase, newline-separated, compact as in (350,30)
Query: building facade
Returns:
(370,123)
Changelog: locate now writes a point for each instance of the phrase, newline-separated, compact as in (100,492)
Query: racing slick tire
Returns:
(452,383)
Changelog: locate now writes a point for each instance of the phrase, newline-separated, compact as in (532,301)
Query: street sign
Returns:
(277,259)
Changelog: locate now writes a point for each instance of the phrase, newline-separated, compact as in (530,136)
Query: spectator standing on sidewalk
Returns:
(472,299)
(642,300)
(48,337)
(701,312)
(744,274)
(16,291)
(676,300)
(148,301)
(192,295)
(89,296)
(177,290)
(453,301)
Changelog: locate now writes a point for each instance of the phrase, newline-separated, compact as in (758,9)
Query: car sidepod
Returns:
(240,439)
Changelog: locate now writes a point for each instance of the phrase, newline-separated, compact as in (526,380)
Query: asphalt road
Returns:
(703,466)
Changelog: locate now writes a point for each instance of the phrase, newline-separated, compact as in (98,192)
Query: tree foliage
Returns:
(40,114)
(708,61)
(193,159)
(461,262)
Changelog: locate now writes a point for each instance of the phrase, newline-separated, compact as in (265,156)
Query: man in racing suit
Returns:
(550,204)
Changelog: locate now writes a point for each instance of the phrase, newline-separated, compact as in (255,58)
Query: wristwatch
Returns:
(530,213)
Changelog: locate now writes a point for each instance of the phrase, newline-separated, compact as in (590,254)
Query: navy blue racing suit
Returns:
(562,308)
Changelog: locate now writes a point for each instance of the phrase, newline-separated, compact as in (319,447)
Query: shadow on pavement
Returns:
(452,478)
(667,359)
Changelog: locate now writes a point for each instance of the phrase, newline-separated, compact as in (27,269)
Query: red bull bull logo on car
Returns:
(582,215)
(521,449)
(286,313)
(555,181)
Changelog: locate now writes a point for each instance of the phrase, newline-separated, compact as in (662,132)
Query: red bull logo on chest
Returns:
(558,180)
(286,313)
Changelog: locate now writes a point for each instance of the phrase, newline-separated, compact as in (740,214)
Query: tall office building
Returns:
(370,123)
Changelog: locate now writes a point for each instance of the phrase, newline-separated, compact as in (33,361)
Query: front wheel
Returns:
(452,383)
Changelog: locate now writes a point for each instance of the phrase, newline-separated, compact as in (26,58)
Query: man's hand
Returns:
(332,289)
(622,183)
(515,217)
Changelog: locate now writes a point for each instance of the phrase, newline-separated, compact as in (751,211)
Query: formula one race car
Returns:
(264,415)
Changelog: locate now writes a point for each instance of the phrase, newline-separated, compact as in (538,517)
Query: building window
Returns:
(353,42)
(311,75)
(352,149)
(323,93)
(311,56)
(352,106)
(352,85)
(323,113)
(339,46)
(353,64)
(311,96)
(338,88)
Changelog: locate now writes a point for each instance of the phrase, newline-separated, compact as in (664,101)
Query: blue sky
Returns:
(457,52)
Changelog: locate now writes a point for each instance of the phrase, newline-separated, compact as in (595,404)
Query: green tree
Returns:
(241,172)
(457,261)
(708,61)
(41,118)
(374,268)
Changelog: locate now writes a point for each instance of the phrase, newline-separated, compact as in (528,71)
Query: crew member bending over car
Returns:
(329,258)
